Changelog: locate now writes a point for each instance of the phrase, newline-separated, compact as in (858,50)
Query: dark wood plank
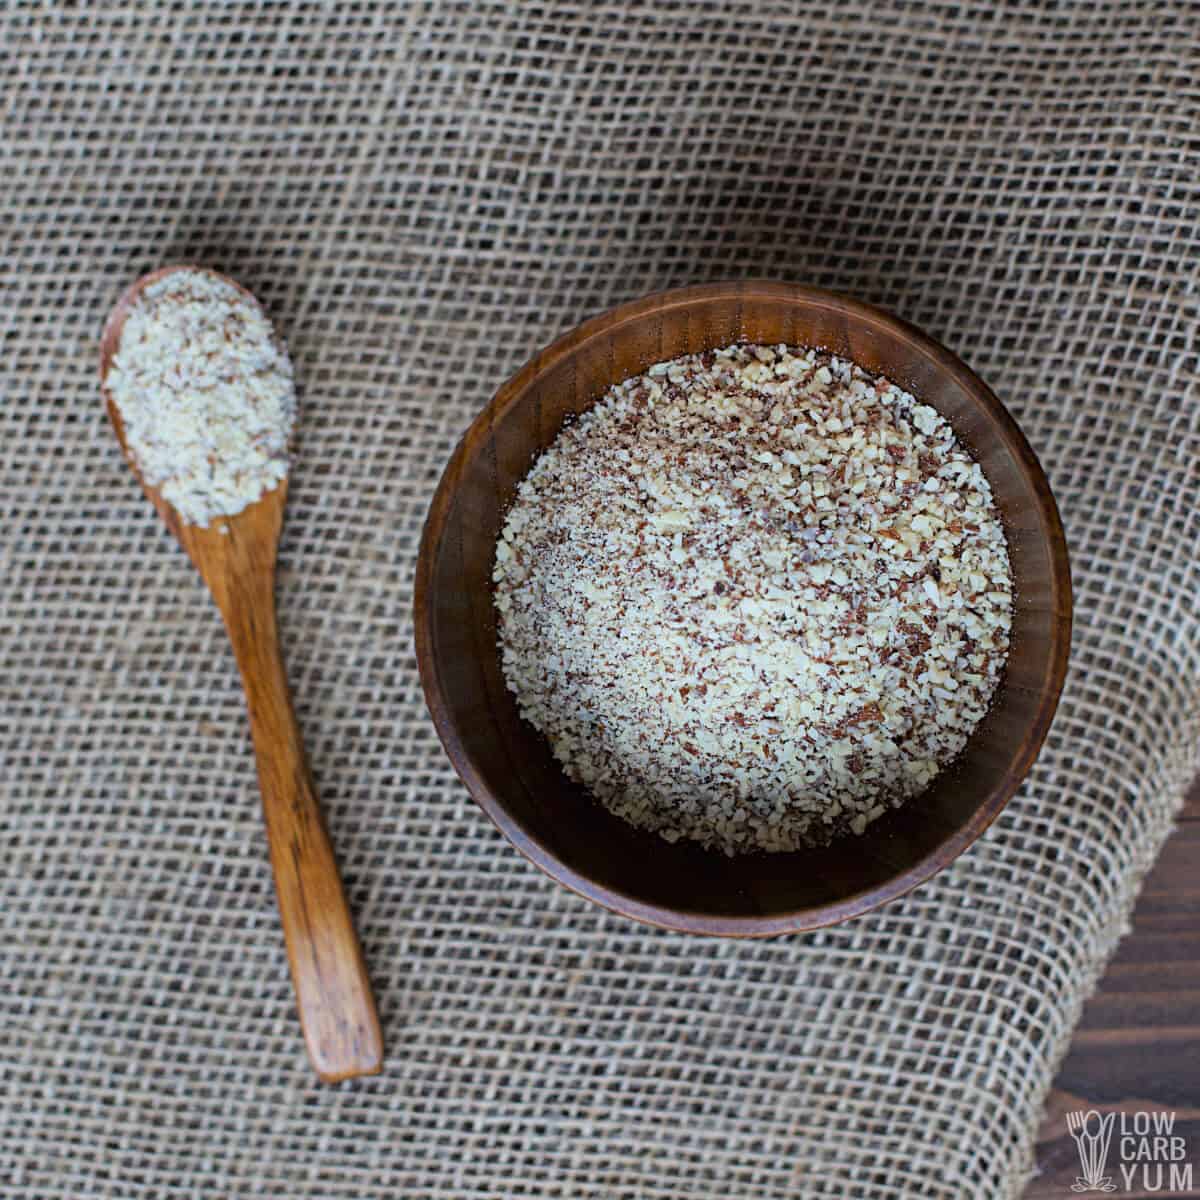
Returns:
(1137,1048)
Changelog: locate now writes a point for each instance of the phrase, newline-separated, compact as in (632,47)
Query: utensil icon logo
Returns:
(1092,1140)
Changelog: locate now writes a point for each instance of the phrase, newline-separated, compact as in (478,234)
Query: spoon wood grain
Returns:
(236,557)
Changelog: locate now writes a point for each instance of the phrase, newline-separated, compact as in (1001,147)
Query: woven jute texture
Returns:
(423,195)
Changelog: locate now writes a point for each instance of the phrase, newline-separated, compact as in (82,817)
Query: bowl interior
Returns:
(509,768)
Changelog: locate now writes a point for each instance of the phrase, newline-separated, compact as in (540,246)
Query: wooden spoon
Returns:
(236,558)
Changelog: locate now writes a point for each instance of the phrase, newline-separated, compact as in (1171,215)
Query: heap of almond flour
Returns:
(754,598)
(205,393)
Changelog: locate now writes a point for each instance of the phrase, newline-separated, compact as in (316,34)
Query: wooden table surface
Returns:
(1138,1046)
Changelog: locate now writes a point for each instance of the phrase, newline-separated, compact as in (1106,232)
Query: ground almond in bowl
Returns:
(754,598)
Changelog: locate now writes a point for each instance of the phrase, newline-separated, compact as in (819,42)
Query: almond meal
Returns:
(754,598)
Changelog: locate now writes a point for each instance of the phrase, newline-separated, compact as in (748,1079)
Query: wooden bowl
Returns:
(508,767)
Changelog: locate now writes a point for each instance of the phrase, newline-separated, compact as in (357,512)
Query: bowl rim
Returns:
(606,325)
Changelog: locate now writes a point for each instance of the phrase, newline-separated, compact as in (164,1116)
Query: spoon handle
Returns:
(333,993)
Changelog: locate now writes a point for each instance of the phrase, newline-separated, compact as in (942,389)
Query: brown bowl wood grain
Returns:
(508,767)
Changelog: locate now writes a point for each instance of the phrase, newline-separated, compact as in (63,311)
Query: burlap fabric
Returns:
(424,194)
